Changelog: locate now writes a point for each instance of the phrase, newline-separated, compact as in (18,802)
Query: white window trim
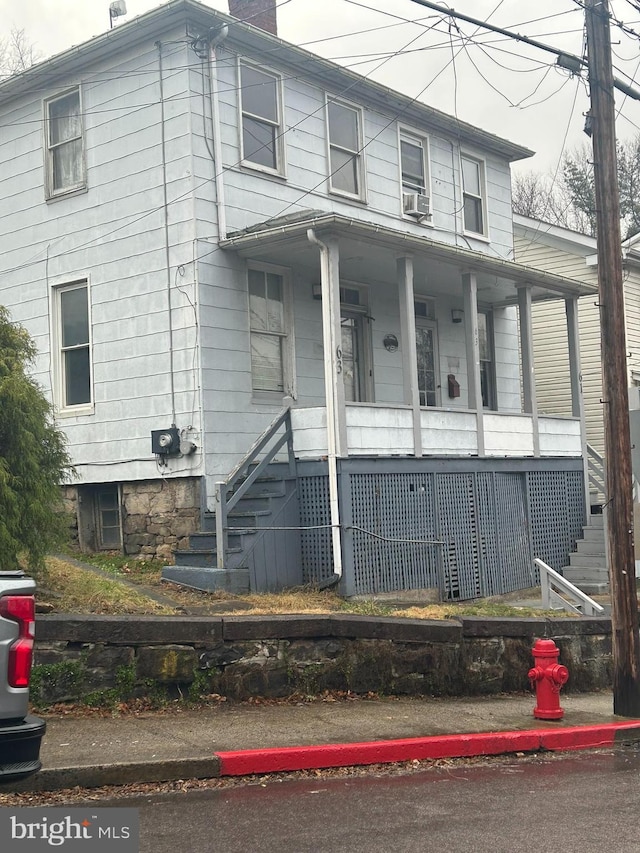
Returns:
(81,187)
(289,348)
(281,166)
(360,153)
(57,361)
(423,140)
(484,234)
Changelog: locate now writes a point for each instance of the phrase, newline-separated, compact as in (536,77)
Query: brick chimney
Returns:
(259,13)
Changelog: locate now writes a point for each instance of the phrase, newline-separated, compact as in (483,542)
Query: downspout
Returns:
(165,203)
(216,38)
(329,347)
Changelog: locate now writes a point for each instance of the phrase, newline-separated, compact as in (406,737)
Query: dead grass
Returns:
(113,584)
(73,590)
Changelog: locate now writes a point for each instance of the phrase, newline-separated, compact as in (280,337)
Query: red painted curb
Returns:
(245,762)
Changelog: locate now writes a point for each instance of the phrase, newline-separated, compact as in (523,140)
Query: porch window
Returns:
(261,118)
(473,195)
(345,146)
(65,169)
(72,333)
(487,362)
(269,338)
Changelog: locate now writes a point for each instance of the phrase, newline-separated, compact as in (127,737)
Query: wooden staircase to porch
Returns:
(252,540)
(197,565)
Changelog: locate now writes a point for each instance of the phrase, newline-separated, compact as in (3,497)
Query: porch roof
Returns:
(284,241)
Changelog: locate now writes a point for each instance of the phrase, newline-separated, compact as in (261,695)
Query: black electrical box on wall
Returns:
(165,442)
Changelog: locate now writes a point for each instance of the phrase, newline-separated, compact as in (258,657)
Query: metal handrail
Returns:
(229,491)
(560,594)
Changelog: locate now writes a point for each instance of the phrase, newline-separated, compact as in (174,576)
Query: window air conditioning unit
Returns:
(416,204)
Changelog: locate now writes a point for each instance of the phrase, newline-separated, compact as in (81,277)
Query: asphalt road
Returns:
(588,803)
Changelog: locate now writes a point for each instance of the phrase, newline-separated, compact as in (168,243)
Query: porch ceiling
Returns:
(368,253)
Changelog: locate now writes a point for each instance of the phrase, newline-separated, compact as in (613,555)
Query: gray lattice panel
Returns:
(315,545)
(457,522)
(557,513)
(512,532)
(390,512)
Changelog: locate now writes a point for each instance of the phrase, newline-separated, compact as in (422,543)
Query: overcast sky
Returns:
(486,79)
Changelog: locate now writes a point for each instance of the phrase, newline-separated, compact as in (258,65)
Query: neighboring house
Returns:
(568,253)
(209,231)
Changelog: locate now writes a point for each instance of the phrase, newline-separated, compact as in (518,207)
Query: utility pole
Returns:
(619,506)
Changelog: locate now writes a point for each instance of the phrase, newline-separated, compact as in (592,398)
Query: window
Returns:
(261,119)
(473,195)
(345,159)
(74,347)
(65,146)
(427,352)
(487,366)
(270,342)
(413,164)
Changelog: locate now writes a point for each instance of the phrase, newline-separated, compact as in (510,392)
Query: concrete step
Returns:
(588,561)
(590,548)
(577,574)
(209,579)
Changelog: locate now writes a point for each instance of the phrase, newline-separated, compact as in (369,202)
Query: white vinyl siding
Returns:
(65,170)
(344,124)
(261,119)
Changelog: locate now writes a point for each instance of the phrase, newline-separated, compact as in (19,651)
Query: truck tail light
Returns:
(20,609)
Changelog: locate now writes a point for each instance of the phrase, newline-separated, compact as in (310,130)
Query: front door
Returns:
(427,349)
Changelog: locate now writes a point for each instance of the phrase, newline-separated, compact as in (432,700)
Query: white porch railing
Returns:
(378,430)
(559,594)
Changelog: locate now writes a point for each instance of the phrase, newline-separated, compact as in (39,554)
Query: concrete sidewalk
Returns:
(241,739)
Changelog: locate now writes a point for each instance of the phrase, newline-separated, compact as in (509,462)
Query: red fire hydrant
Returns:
(548,676)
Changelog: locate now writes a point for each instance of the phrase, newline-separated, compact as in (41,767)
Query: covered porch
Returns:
(417,456)
(426,347)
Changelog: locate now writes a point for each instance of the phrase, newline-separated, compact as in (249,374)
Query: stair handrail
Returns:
(229,491)
(552,583)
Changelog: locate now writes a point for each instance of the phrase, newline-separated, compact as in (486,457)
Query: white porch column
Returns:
(577,399)
(404,265)
(528,370)
(470,292)
(333,384)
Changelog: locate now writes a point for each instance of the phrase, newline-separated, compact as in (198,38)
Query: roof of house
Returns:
(538,231)
(198,19)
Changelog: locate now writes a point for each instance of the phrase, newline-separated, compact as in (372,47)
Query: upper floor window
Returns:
(65,144)
(72,336)
(414,167)
(271,344)
(345,149)
(473,195)
(261,118)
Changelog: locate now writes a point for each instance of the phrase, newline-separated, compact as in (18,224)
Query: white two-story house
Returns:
(277,317)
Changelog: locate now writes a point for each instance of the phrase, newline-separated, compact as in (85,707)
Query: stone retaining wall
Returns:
(276,656)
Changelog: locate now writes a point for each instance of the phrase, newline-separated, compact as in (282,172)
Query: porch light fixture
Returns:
(390,343)
(457,315)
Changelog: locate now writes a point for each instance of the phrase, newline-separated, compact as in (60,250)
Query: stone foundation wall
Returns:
(157,515)
(276,656)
